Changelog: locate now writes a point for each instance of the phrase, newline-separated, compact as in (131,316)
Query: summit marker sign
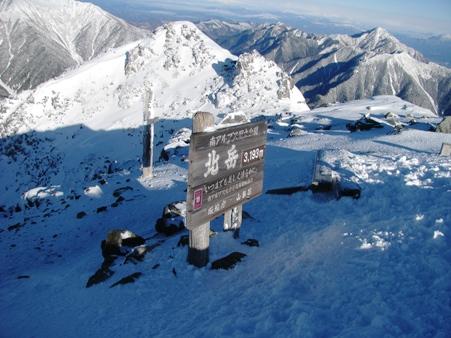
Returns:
(225,170)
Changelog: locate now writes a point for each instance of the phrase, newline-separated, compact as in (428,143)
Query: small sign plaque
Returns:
(198,198)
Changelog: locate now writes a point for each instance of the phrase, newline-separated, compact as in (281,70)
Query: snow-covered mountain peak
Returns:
(220,24)
(56,35)
(53,13)
(378,33)
(249,63)
(185,70)
(179,46)
(260,82)
(379,41)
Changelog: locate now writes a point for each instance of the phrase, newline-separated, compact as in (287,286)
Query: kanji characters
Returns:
(233,157)
(212,164)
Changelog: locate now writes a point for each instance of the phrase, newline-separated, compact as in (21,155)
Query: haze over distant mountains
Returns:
(154,13)
(39,39)
(330,68)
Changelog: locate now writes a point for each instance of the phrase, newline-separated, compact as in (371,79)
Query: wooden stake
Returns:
(148,135)
(233,219)
(234,216)
(199,237)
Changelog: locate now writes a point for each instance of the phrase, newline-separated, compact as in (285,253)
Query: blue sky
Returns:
(402,16)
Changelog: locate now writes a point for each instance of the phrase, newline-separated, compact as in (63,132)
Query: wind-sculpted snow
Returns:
(340,68)
(39,39)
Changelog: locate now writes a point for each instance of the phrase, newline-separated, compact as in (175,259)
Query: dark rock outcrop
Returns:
(173,219)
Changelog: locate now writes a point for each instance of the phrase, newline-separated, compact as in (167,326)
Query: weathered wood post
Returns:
(199,237)
(148,134)
(225,171)
(233,217)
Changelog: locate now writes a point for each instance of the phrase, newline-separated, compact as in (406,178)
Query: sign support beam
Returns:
(199,237)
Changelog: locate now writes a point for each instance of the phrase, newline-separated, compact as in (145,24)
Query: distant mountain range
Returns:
(331,68)
(40,39)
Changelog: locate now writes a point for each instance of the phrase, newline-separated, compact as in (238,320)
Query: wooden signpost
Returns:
(225,171)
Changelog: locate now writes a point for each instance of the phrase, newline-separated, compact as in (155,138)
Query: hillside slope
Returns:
(375,266)
(40,39)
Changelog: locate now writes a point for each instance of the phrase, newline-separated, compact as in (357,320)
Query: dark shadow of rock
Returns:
(128,279)
(100,276)
(183,241)
(23,277)
(251,242)
(287,190)
(15,227)
(228,262)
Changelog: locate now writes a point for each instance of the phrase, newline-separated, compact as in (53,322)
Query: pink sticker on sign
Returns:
(198,194)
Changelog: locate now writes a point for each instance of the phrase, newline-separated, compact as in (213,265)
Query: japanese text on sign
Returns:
(226,170)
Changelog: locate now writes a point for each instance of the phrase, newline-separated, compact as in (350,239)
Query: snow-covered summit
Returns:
(177,46)
(379,41)
(260,83)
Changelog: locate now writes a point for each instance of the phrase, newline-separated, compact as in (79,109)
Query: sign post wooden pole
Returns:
(233,219)
(234,216)
(225,171)
(148,135)
(199,237)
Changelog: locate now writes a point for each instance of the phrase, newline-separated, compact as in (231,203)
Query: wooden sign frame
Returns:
(225,170)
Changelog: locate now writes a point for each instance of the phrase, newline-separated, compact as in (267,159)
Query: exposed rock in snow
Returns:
(117,239)
(254,84)
(173,219)
(180,139)
(445,125)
